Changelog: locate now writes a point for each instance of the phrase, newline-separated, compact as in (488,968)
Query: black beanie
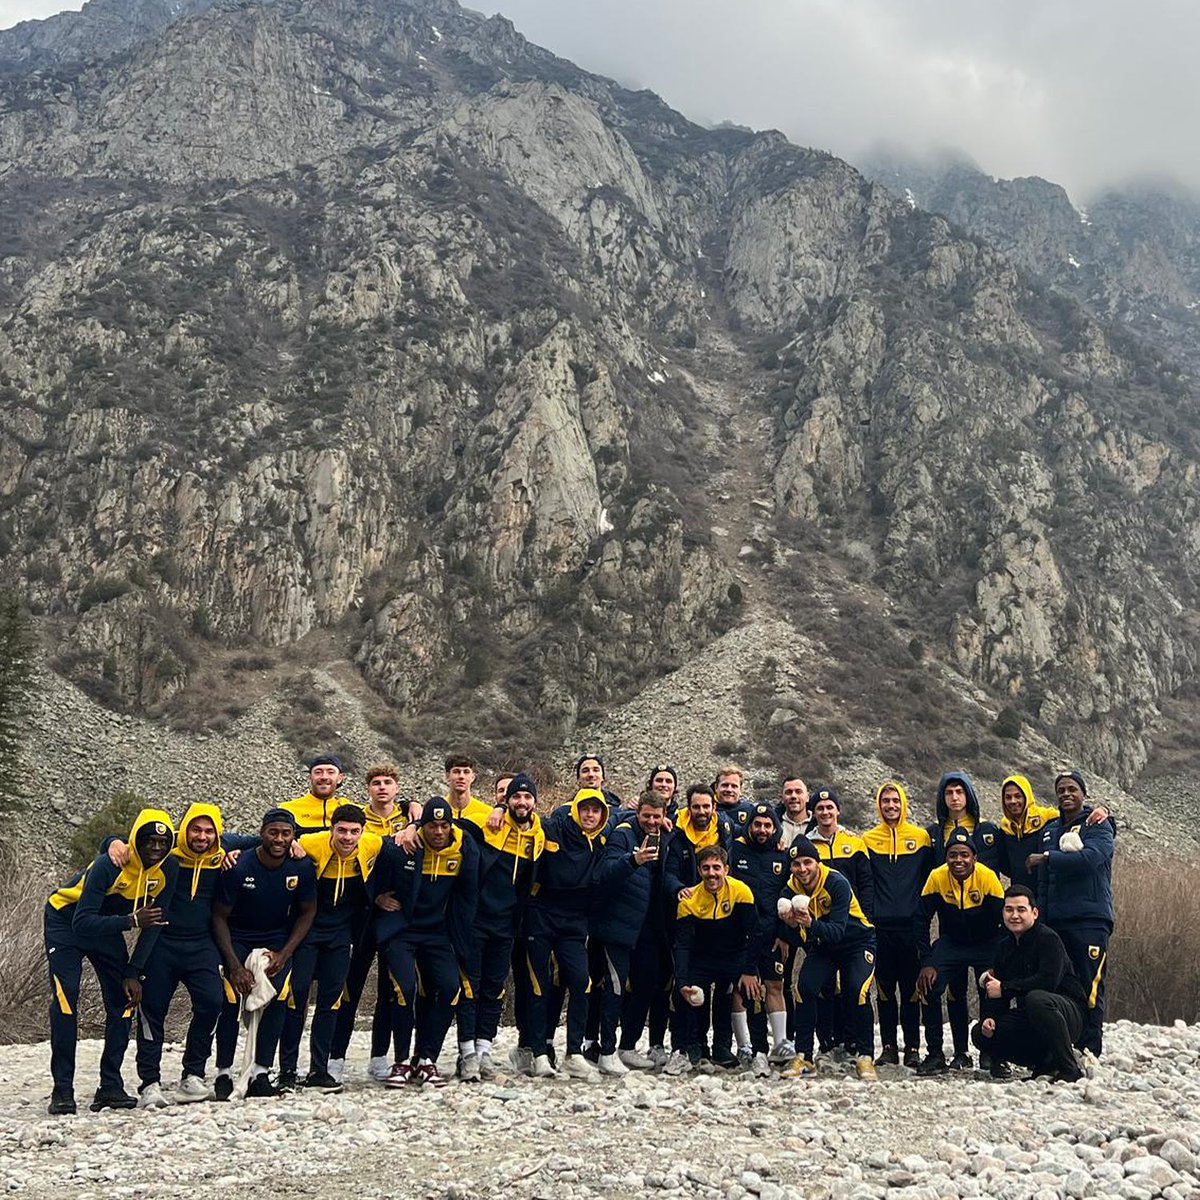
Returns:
(802,848)
(1075,775)
(520,783)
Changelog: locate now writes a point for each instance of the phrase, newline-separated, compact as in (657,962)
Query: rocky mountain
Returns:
(374,327)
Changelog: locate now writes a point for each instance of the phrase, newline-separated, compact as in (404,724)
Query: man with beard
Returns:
(901,857)
(314,810)
(507,869)
(716,952)
(756,859)
(967,900)
(268,900)
(1074,891)
(629,923)
(792,811)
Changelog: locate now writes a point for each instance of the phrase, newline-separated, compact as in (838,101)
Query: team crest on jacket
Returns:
(1035,822)
(988,838)
(452,865)
(910,843)
(1093,952)
(725,906)
(215,861)
(868,957)
(777,867)
(975,895)
(292,882)
(741,818)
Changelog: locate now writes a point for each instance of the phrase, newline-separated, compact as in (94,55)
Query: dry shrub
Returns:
(22,952)
(1154,954)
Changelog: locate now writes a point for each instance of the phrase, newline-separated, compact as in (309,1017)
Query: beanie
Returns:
(520,783)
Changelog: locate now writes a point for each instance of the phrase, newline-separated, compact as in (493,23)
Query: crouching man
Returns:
(1033,1007)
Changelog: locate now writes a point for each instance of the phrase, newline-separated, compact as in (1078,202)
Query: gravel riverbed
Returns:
(1130,1131)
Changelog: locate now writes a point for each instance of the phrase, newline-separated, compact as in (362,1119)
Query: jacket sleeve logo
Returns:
(292,882)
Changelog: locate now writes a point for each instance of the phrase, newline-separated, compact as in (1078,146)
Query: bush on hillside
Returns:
(115,817)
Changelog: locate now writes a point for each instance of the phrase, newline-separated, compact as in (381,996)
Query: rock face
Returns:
(372,316)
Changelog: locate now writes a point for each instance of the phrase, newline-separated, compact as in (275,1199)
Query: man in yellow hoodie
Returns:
(87,918)
(313,812)
(1021,829)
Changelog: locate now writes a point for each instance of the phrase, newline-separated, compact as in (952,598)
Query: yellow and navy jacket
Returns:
(190,911)
(715,933)
(385,827)
(1023,837)
(764,870)
(900,857)
(96,902)
(968,912)
(437,890)
(625,895)
(508,862)
(679,867)
(472,817)
(985,834)
(312,815)
(846,853)
(341,882)
(838,918)
(567,869)
(1075,887)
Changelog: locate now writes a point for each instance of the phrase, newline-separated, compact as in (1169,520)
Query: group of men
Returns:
(718,932)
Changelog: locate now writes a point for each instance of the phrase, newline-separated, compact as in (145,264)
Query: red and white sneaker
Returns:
(427,1075)
(399,1076)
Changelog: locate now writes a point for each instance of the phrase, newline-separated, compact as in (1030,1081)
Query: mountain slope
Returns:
(375,318)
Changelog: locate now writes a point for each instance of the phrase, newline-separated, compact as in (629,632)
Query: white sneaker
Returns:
(521,1058)
(658,1056)
(468,1068)
(151,1096)
(578,1067)
(542,1069)
(190,1089)
(784,1052)
(487,1068)
(337,1069)
(677,1064)
(610,1064)
(379,1068)
(636,1061)
(759,1067)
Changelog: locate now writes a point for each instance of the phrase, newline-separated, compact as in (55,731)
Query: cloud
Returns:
(12,11)
(1082,95)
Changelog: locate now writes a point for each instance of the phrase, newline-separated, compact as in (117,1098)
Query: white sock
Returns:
(226,1071)
(741,1030)
(778,1023)
(482,1046)
(256,1071)
(465,1048)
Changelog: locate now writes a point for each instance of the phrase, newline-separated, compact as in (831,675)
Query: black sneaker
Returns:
(962,1062)
(223,1087)
(321,1081)
(116,1097)
(1065,1075)
(889,1058)
(287,1081)
(592,1052)
(62,1104)
(261,1088)
(934,1064)
(999,1069)
(912,1057)
(725,1060)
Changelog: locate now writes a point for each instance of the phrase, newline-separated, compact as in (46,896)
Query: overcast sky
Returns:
(1083,94)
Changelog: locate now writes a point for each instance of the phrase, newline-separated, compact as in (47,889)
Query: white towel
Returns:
(261,994)
(1071,842)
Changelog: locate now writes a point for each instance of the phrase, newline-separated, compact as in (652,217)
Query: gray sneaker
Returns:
(658,1056)
(759,1067)
(521,1058)
(783,1053)
(487,1068)
(468,1068)
(677,1064)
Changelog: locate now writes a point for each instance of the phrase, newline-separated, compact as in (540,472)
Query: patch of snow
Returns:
(1072,260)
(908,196)
(437,33)
(703,293)
(606,526)
(1084,219)
(656,377)
(1194,304)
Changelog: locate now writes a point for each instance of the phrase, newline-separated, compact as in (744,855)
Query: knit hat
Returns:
(960,837)
(826,793)
(436,810)
(520,783)
(802,848)
(277,816)
(1075,775)
(662,768)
